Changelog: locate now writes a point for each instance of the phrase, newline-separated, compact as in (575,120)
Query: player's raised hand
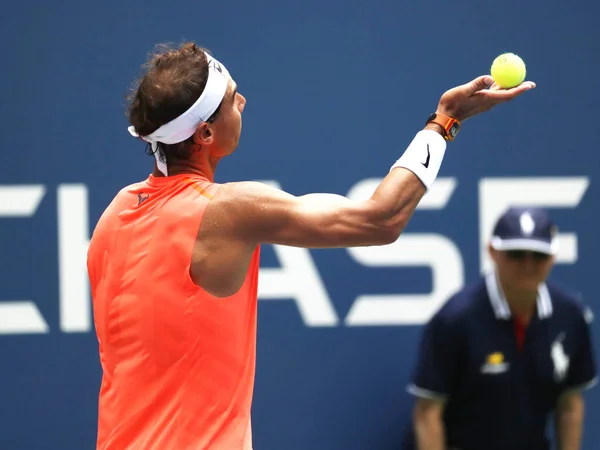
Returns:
(477,96)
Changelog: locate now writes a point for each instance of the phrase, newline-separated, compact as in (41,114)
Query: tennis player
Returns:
(174,260)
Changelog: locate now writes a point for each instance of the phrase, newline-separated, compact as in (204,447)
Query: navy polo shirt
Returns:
(498,397)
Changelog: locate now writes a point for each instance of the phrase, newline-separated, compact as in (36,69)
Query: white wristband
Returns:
(424,156)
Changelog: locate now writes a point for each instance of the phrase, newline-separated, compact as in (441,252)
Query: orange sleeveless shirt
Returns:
(178,364)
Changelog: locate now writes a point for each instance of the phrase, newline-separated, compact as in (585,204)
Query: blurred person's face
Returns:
(522,269)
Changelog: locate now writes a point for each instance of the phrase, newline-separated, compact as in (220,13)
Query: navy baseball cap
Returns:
(525,229)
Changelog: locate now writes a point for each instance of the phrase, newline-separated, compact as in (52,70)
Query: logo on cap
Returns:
(527,224)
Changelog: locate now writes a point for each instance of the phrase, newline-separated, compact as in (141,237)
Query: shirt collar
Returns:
(500,305)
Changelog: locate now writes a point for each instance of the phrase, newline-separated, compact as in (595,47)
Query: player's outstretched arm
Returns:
(326,220)
(267,215)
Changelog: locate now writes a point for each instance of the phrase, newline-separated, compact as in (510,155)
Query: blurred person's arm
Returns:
(429,425)
(569,411)
(438,368)
(569,421)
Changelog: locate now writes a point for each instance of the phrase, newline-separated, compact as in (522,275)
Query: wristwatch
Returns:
(451,126)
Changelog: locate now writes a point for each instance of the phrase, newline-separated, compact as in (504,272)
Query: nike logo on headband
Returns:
(216,65)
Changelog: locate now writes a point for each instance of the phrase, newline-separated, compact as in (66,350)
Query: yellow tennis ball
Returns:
(508,70)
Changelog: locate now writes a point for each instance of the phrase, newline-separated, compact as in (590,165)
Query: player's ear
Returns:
(204,134)
(492,252)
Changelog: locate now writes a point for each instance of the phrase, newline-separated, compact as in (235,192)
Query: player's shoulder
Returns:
(244,189)
(130,189)
(464,304)
(243,195)
(178,188)
(123,197)
(121,200)
(567,302)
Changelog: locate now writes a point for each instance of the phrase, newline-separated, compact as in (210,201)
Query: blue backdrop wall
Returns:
(336,90)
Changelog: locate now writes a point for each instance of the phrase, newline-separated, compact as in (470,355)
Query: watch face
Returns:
(453,131)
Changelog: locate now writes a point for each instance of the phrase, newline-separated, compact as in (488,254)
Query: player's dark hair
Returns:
(174,80)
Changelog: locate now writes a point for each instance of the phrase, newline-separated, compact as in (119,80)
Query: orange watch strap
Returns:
(450,125)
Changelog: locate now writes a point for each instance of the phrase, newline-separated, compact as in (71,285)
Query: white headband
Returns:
(184,126)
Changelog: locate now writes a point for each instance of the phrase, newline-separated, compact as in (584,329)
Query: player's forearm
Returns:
(430,434)
(398,195)
(393,203)
(569,423)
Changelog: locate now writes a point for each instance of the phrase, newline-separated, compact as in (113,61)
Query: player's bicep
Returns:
(272,216)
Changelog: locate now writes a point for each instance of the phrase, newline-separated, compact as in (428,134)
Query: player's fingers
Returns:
(524,86)
(478,84)
(508,94)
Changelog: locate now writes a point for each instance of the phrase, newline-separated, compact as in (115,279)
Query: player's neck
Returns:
(199,164)
(522,303)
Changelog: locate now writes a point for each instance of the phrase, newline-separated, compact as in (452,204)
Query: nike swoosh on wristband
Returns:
(426,163)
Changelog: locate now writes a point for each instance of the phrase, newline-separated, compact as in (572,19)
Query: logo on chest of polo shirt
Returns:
(495,364)
(559,358)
